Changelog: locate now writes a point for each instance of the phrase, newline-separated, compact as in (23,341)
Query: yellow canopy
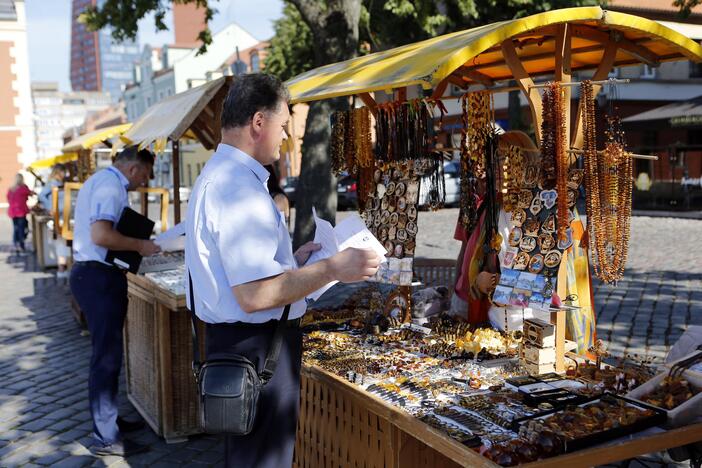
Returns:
(475,55)
(95,137)
(193,113)
(49,162)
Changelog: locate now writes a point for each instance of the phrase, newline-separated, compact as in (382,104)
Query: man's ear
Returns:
(257,122)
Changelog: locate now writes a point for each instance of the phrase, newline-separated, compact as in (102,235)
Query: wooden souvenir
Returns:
(539,333)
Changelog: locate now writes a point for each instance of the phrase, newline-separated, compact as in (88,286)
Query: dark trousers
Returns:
(101,293)
(19,233)
(272,441)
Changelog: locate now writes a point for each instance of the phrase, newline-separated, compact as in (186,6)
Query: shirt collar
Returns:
(121,176)
(242,158)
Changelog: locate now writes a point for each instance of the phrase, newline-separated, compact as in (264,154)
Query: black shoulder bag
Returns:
(229,386)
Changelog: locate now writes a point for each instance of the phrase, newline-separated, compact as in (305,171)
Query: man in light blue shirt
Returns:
(243,269)
(101,289)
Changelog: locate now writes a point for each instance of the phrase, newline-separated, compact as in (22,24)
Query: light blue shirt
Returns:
(234,235)
(102,197)
(45,197)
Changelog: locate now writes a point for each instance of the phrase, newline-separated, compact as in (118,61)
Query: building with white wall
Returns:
(56,112)
(16,126)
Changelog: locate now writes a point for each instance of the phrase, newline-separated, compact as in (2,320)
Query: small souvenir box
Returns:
(536,369)
(539,333)
(539,355)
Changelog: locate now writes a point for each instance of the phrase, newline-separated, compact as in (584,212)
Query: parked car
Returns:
(289,187)
(452,183)
(346,193)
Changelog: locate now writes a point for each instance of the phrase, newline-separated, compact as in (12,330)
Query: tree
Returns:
(124,15)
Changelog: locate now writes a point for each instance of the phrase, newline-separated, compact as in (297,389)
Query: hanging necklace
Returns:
(561,157)
(608,181)
(548,140)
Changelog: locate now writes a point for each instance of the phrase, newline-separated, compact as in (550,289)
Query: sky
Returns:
(49,31)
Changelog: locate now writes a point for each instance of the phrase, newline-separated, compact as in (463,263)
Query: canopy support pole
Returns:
(176,180)
(562,74)
(603,70)
(369,102)
(440,89)
(525,84)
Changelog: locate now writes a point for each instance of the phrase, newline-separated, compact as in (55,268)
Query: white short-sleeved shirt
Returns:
(234,235)
(102,197)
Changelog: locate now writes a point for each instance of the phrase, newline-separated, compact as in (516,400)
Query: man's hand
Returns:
(148,247)
(352,265)
(304,252)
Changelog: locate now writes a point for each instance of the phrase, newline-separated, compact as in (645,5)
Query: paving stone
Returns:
(75,462)
(52,458)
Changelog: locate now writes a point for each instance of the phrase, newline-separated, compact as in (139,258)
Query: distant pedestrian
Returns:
(18,210)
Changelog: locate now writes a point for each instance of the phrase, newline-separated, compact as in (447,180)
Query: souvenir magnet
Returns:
(564,244)
(393,219)
(399,250)
(521,261)
(536,264)
(380,190)
(509,256)
(552,259)
(527,243)
(392,231)
(546,242)
(411,228)
(412,212)
(400,189)
(390,188)
(518,217)
(575,178)
(401,204)
(515,235)
(572,198)
(531,227)
(550,224)
(548,197)
(536,205)
(401,235)
(524,199)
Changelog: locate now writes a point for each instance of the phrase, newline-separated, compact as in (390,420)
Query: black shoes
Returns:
(123,448)
(129,426)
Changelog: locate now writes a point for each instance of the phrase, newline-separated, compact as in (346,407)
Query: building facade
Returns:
(16,126)
(57,112)
(98,62)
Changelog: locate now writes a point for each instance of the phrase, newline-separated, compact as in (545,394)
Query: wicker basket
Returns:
(158,357)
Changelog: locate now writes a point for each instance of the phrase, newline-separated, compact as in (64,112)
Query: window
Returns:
(190,175)
(255,62)
(695,70)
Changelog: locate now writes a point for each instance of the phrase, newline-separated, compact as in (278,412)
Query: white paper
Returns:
(173,239)
(351,232)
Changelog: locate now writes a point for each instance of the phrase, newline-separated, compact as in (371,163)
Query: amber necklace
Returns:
(561,157)
(608,182)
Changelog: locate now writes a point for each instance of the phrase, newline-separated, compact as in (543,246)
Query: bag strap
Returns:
(271,361)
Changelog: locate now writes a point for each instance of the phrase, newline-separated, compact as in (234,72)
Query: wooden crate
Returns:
(158,357)
(435,272)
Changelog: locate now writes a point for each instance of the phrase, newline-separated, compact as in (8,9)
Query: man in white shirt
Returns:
(239,253)
(101,289)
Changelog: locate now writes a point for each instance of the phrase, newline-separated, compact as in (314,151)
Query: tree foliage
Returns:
(290,49)
(123,17)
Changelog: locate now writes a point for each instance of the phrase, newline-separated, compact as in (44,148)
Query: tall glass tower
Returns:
(98,62)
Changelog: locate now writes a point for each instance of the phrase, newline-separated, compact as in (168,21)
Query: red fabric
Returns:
(477,308)
(17,199)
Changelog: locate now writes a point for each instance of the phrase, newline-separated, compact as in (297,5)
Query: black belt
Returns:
(100,265)
(292,323)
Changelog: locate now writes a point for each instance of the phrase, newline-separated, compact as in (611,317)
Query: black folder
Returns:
(130,224)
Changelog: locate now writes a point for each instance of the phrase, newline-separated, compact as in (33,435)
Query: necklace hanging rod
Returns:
(650,157)
(577,83)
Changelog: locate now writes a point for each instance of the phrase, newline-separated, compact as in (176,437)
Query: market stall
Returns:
(377,392)
(43,230)
(157,341)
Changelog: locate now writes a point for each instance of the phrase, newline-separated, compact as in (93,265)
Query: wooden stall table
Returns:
(340,424)
(158,357)
(42,240)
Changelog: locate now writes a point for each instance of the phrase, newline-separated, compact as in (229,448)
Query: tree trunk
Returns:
(335,34)
(316,185)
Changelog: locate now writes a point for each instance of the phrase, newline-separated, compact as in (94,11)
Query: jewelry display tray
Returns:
(658,418)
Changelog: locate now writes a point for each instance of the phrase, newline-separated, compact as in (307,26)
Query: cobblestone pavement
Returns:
(44,356)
